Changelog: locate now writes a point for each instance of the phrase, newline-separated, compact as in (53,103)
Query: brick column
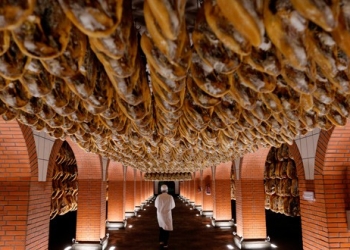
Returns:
(151,189)
(184,189)
(187,188)
(147,190)
(208,201)
(222,208)
(116,195)
(250,209)
(181,186)
(144,190)
(198,190)
(250,200)
(91,210)
(192,190)
(138,183)
(129,192)
(91,214)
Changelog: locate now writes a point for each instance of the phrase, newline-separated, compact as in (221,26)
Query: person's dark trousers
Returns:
(163,236)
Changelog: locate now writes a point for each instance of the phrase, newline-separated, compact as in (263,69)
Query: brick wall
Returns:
(14,203)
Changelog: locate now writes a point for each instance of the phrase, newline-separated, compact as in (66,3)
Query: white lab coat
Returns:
(164,204)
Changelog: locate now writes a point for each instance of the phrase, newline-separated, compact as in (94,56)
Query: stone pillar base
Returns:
(142,205)
(91,245)
(198,207)
(87,245)
(183,199)
(222,223)
(242,243)
(192,204)
(115,225)
(129,214)
(207,213)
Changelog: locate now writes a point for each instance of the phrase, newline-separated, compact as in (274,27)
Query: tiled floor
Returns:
(190,231)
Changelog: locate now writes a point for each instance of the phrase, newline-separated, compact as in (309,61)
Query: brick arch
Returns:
(207,175)
(321,150)
(89,165)
(30,143)
(23,192)
(223,171)
(334,143)
(115,171)
(17,147)
(326,225)
(51,164)
(295,154)
(129,173)
(253,164)
(91,214)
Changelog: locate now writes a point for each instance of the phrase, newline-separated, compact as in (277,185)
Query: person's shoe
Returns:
(161,243)
(166,246)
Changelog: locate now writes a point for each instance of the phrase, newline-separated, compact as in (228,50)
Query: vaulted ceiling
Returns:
(175,86)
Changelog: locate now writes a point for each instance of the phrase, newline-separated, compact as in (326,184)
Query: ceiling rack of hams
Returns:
(198,84)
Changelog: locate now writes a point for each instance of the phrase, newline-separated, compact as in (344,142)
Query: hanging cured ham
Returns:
(170,90)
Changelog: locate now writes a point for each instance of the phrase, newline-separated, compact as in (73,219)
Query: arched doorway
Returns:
(170,184)
(282,204)
(64,198)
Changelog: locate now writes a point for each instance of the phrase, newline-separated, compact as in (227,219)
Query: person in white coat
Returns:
(164,204)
